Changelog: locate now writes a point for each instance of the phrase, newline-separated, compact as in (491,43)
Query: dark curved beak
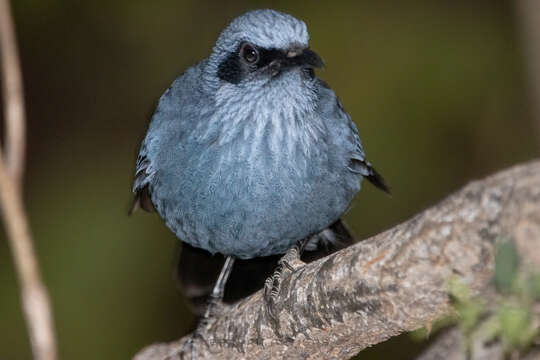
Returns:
(304,57)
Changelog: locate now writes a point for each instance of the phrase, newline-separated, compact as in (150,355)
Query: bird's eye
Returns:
(249,53)
(309,72)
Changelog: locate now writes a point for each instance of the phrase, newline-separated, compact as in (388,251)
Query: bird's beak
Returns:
(304,57)
(295,57)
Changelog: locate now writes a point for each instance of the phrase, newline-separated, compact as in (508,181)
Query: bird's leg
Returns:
(290,261)
(216,298)
(215,303)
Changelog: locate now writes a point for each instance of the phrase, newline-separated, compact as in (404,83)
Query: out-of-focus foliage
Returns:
(506,271)
(469,309)
(510,317)
(436,88)
(533,286)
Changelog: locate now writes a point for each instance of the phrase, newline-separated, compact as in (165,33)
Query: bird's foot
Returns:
(214,307)
(288,264)
(191,348)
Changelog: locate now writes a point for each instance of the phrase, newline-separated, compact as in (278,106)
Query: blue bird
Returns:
(248,153)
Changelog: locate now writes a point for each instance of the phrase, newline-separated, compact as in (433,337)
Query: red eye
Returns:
(249,53)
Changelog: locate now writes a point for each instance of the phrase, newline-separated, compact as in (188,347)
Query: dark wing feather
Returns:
(363,167)
(142,198)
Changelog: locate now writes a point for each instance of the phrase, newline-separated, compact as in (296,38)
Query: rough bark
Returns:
(391,283)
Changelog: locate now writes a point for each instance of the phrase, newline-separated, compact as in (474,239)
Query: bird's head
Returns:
(261,46)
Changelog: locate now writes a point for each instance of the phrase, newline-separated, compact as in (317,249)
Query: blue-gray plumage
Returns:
(248,151)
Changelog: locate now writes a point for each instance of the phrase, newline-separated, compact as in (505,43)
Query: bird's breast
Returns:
(254,185)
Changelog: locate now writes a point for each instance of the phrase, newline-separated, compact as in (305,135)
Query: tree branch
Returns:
(388,284)
(33,293)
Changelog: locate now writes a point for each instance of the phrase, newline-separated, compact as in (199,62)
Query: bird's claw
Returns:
(272,286)
(198,336)
(190,346)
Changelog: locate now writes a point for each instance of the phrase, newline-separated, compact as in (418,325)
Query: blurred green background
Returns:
(438,90)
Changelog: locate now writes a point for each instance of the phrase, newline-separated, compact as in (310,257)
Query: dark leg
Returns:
(290,261)
(214,303)
(219,289)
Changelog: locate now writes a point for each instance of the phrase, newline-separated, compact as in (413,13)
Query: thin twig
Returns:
(14,114)
(34,294)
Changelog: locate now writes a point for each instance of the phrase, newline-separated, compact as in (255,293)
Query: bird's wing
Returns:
(170,109)
(357,158)
(358,164)
(143,176)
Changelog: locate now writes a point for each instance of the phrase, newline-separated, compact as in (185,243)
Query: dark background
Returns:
(438,90)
